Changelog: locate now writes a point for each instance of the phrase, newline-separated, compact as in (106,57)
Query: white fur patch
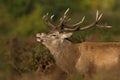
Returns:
(38,40)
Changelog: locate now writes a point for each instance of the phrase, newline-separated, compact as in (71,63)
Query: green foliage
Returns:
(116,6)
(24,56)
(58,6)
(6,20)
(41,57)
(31,24)
(19,7)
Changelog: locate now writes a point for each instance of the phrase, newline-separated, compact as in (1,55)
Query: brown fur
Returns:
(67,56)
(99,55)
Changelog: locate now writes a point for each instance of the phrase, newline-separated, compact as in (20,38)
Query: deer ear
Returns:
(66,35)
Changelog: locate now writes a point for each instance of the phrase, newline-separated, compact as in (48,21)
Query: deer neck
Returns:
(56,47)
(63,53)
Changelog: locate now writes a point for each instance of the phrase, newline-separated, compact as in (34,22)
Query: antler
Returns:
(76,27)
(71,28)
(49,22)
(98,17)
(95,23)
(64,19)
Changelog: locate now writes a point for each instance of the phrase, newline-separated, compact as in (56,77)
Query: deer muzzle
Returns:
(39,37)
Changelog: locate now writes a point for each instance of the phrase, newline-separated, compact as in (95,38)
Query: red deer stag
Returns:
(82,56)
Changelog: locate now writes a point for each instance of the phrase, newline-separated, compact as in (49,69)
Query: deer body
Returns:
(79,57)
(99,55)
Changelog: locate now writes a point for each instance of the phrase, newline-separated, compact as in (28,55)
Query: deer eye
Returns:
(54,35)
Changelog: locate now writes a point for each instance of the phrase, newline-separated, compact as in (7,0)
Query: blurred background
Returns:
(20,20)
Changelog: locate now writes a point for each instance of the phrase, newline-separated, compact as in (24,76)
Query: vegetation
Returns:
(20,20)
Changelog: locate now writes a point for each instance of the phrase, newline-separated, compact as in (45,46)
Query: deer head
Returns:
(62,31)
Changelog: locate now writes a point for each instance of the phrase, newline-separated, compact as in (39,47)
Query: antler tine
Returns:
(64,16)
(98,17)
(77,24)
(69,19)
(97,14)
(66,11)
(44,17)
(104,26)
(64,19)
(51,18)
(49,23)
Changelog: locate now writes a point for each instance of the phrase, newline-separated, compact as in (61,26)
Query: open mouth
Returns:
(38,40)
